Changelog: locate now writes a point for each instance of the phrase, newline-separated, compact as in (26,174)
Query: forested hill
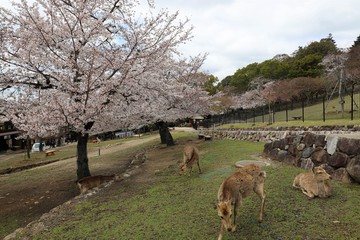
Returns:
(304,62)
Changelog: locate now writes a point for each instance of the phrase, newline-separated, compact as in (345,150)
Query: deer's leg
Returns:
(184,158)
(84,189)
(221,231)
(236,206)
(295,185)
(199,166)
(309,194)
(259,190)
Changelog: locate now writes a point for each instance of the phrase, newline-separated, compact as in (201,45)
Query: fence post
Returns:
(273,113)
(324,109)
(302,110)
(254,115)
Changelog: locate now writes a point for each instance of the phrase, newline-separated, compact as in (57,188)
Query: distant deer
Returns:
(234,189)
(190,157)
(90,182)
(315,183)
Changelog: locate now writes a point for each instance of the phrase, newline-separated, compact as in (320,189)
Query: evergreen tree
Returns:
(356,42)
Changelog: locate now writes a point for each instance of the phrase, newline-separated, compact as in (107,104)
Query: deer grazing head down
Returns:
(225,213)
(190,157)
(234,189)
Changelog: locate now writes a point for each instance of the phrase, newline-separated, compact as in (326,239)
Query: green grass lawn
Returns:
(181,207)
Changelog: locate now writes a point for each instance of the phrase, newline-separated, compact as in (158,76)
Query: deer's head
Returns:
(182,169)
(225,213)
(320,174)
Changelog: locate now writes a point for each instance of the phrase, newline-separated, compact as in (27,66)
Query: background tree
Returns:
(352,70)
(222,103)
(304,62)
(287,90)
(307,88)
(249,99)
(211,85)
(242,77)
(274,69)
(185,96)
(352,64)
(270,94)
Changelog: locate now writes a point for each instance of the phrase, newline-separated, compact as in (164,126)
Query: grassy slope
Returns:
(98,165)
(315,111)
(313,116)
(67,151)
(179,207)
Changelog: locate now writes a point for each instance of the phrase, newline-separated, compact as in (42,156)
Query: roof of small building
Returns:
(197,117)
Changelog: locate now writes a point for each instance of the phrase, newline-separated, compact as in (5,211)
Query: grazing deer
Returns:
(315,183)
(90,182)
(234,189)
(190,156)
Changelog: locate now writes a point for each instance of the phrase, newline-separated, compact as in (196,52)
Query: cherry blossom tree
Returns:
(182,97)
(249,99)
(90,66)
(222,102)
(189,96)
(264,92)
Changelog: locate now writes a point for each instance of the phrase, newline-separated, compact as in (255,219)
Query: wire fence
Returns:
(323,109)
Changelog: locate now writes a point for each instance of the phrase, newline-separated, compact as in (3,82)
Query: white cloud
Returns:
(236,33)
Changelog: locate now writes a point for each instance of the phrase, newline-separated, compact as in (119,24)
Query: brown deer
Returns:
(315,183)
(90,182)
(234,189)
(190,157)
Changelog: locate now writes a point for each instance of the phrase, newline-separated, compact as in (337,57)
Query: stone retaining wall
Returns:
(337,149)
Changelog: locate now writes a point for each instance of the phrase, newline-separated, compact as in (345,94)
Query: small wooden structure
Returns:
(49,152)
(207,137)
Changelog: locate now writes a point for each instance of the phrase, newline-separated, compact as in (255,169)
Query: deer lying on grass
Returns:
(190,157)
(234,189)
(315,183)
(90,182)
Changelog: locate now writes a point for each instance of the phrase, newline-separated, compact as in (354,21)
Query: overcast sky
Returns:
(236,33)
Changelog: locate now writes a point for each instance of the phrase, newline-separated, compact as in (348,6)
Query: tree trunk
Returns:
(28,146)
(41,145)
(82,158)
(165,135)
(162,132)
(58,142)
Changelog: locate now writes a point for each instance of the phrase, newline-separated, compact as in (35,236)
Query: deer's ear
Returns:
(262,174)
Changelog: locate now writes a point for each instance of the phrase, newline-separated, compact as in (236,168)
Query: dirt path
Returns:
(28,194)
